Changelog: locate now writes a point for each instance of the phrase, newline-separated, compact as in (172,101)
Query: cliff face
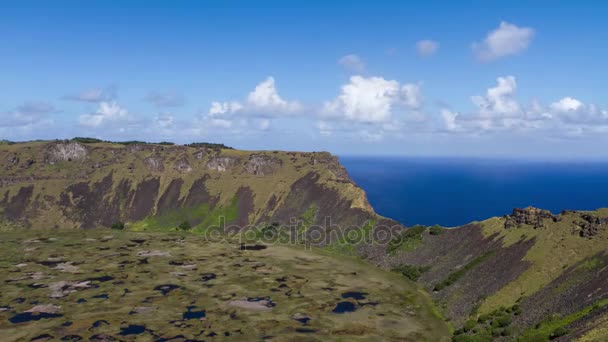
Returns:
(73,185)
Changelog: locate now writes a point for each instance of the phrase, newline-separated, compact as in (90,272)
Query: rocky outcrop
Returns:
(154,164)
(529,216)
(11,161)
(182,165)
(64,151)
(590,225)
(261,165)
(222,163)
(200,154)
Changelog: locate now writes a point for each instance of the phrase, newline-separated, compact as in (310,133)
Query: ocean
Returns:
(456,191)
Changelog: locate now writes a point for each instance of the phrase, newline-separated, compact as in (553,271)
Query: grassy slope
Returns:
(554,250)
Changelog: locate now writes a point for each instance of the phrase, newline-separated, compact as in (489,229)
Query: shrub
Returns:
(559,332)
(504,321)
(496,332)
(184,225)
(436,230)
(118,225)
(410,271)
(469,325)
(209,145)
(516,309)
(483,318)
(407,237)
(86,140)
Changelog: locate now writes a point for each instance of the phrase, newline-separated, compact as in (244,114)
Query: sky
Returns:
(517,79)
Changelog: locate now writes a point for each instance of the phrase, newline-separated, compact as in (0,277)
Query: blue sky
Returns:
(525,79)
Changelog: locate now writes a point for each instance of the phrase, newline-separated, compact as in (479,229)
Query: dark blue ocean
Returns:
(452,192)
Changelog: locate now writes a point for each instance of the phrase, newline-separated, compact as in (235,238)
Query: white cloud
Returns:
(265,98)
(427,47)
(567,104)
(498,100)
(352,62)
(449,119)
(106,112)
(372,100)
(223,108)
(500,110)
(261,105)
(506,40)
(93,95)
(28,114)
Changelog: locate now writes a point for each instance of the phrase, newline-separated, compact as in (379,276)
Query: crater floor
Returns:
(106,285)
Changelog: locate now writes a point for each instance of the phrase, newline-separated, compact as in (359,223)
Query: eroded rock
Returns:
(182,165)
(222,163)
(591,225)
(154,164)
(261,164)
(64,151)
(529,216)
(45,308)
(63,288)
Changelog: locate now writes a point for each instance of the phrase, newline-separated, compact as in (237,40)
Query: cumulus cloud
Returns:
(28,114)
(168,99)
(508,39)
(499,110)
(265,99)
(372,100)
(106,112)
(427,47)
(352,62)
(261,105)
(498,100)
(93,95)
(567,104)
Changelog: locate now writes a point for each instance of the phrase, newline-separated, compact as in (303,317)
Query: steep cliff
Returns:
(68,184)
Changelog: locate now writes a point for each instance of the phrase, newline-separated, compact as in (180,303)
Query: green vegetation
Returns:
(436,230)
(555,326)
(205,217)
(410,271)
(209,145)
(453,277)
(307,218)
(118,226)
(488,326)
(346,244)
(185,225)
(406,240)
(86,140)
